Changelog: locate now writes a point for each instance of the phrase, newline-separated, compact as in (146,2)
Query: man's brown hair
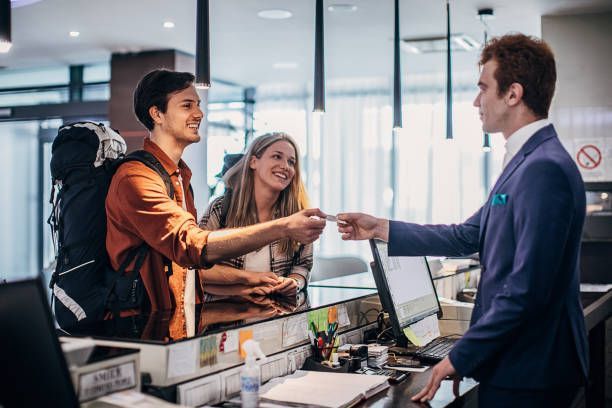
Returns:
(528,61)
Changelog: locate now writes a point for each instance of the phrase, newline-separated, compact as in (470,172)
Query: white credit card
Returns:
(333,218)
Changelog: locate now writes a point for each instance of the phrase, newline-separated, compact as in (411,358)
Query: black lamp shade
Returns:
(449,82)
(202,45)
(319,69)
(397,76)
(5,25)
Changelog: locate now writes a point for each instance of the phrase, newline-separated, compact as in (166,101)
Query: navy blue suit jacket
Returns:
(527,329)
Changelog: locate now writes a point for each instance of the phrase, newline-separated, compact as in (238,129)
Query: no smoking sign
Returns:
(588,157)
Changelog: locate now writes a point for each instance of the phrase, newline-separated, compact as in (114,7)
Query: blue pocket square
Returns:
(499,199)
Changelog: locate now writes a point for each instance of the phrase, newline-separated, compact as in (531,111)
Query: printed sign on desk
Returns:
(101,382)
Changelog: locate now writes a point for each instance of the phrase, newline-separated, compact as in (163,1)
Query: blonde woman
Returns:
(263,185)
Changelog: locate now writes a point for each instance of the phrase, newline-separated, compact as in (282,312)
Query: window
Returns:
(348,153)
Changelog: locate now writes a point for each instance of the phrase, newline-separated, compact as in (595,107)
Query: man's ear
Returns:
(514,95)
(156,114)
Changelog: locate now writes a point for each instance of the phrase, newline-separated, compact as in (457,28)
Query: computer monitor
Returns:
(34,369)
(405,288)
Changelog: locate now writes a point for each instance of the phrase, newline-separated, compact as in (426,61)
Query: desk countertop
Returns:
(399,395)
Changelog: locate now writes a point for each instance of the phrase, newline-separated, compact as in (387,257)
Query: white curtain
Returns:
(347,152)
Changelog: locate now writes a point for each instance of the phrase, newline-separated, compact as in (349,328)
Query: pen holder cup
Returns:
(310,364)
(321,354)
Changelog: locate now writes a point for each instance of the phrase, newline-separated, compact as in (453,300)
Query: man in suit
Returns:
(527,340)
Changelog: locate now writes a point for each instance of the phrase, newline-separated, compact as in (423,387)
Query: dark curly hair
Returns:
(154,89)
(528,61)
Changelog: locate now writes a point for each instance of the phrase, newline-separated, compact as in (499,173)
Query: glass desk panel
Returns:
(363,280)
(165,327)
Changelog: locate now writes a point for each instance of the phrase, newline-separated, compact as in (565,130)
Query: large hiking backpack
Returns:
(84,158)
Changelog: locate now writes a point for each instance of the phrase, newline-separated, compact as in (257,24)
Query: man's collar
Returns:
(151,147)
(520,137)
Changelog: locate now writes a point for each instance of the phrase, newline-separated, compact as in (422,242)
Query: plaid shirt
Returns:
(280,263)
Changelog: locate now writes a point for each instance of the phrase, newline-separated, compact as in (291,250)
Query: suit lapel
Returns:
(532,143)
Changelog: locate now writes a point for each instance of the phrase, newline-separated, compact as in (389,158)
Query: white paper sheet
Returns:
(427,329)
(295,329)
(343,318)
(231,341)
(182,358)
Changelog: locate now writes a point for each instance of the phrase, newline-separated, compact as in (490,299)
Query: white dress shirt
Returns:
(520,137)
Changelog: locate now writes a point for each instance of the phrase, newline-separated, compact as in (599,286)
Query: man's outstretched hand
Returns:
(359,226)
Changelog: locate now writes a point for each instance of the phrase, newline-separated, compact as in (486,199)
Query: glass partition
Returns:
(217,316)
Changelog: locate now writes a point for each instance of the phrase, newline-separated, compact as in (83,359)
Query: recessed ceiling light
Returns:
(343,8)
(435,44)
(285,65)
(74,33)
(21,3)
(168,24)
(275,14)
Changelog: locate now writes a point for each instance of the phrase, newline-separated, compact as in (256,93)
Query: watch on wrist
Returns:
(298,282)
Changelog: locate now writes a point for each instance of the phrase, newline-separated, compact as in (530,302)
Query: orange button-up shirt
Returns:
(139,209)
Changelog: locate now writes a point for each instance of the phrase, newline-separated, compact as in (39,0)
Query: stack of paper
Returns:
(377,355)
(322,389)
(457,264)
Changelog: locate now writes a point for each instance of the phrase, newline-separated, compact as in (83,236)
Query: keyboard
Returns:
(436,350)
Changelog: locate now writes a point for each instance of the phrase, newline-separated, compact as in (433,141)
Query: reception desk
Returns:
(191,356)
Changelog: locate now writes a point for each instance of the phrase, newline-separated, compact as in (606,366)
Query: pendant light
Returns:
(486,143)
(202,45)
(449,83)
(483,15)
(397,77)
(5,26)
(319,69)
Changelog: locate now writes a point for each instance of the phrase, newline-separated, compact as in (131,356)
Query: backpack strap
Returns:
(138,254)
(151,162)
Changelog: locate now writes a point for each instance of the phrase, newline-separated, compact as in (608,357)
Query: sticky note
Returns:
(319,318)
(244,335)
(332,314)
(412,337)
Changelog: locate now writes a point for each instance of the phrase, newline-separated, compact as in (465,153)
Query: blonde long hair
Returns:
(240,179)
